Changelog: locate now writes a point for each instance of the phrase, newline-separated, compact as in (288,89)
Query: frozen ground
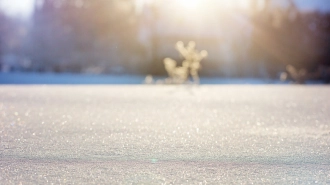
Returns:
(67,78)
(227,134)
(53,78)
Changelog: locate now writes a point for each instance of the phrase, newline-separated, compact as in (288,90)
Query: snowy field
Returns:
(53,78)
(154,134)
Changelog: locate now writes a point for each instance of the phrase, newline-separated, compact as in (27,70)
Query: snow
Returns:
(157,134)
(69,78)
(53,78)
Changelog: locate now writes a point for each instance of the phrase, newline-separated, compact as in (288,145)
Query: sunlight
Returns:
(204,6)
(200,12)
(189,4)
(17,7)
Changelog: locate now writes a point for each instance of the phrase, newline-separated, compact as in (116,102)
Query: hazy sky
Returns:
(323,5)
(17,7)
(25,7)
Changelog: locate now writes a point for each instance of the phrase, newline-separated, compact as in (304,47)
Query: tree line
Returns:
(102,36)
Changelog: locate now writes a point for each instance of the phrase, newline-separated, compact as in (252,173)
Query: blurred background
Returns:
(244,38)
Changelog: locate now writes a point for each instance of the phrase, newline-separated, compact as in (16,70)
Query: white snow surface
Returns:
(21,78)
(163,134)
(85,79)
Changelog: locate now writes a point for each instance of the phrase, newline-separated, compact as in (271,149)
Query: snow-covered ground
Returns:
(68,78)
(148,134)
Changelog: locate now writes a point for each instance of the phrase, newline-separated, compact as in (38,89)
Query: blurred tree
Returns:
(284,35)
(12,32)
(45,35)
(3,32)
(81,34)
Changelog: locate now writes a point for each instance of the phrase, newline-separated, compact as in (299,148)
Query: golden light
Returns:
(205,6)
(189,4)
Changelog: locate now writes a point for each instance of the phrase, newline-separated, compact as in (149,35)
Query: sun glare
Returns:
(189,4)
(17,7)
